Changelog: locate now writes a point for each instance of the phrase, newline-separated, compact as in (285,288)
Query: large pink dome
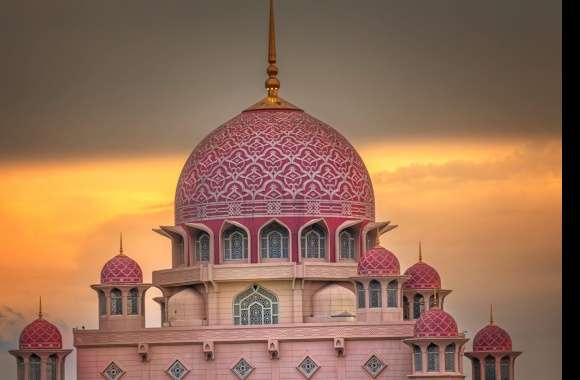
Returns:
(121,269)
(436,323)
(40,334)
(492,338)
(273,162)
(379,261)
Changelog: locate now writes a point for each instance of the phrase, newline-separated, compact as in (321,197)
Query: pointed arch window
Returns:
(490,368)
(132,297)
(375,294)
(255,306)
(102,302)
(313,242)
(405,308)
(34,367)
(418,358)
(369,240)
(274,241)
(505,368)
(361,297)
(116,302)
(347,244)
(202,247)
(476,369)
(51,367)
(450,358)
(392,293)
(418,305)
(432,358)
(235,244)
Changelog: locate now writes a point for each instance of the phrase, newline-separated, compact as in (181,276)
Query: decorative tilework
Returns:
(423,276)
(379,262)
(40,334)
(121,269)
(242,369)
(113,372)
(374,366)
(436,323)
(177,370)
(492,338)
(308,367)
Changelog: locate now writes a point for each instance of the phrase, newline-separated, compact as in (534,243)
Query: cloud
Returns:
(11,323)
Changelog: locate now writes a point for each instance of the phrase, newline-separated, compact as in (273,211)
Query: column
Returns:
(26,358)
(424,357)
(497,367)
(441,348)
(43,359)
(482,367)
(512,367)
(212,303)
(59,366)
(297,299)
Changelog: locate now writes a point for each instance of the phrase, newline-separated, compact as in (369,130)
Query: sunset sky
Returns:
(454,106)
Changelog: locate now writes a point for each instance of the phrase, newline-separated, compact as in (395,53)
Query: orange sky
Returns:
(488,214)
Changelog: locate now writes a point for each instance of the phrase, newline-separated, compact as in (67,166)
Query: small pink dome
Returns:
(121,269)
(436,323)
(40,334)
(379,261)
(423,276)
(492,338)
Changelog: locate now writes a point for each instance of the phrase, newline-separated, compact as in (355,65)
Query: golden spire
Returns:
(272,83)
(491,320)
(40,308)
(420,252)
(121,243)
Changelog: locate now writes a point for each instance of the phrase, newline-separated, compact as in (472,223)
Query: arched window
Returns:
(360,294)
(116,302)
(490,368)
(392,293)
(405,308)
(102,302)
(375,294)
(313,242)
(20,368)
(476,364)
(450,358)
(255,306)
(347,244)
(51,368)
(235,244)
(34,367)
(274,242)
(202,247)
(178,250)
(418,358)
(132,298)
(418,305)
(505,368)
(370,240)
(432,358)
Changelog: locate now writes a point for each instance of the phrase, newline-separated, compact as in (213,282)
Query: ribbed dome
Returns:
(121,269)
(492,338)
(40,334)
(422,276)
(436,323)
(379,261)
(267,162)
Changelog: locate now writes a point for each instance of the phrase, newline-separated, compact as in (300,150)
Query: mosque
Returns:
(277,273)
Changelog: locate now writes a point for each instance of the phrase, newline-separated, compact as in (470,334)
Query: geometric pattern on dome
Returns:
(308,367)
(379,262)
(177,370)
(112,372)
(436,323)
(242,369)
(374,366)
(40,334)
(265,162)
(121,269)
(423,276)
(492,338)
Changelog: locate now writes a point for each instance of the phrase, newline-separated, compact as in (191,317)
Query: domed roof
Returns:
(121,269)
(436,323)
(422,276)
(266,162)
(379,261)
(492,338)
(40,334)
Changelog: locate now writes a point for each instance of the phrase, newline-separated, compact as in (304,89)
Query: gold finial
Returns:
(272,83)
(121,243)
(40,308)
(491,320)
(420,252)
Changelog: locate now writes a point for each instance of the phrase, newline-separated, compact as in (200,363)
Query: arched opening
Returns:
(418,358)
(450,358)
(476,364)
(274,241)
(34,367)
(392,294)
(235,241)
(418,305)
(116,302)
(370,239)
(186,308)
(405,308)
(20,368)
(375,294)
(51,373)
(202,247)
(505,368)
(361,297)
(313,241)
(255,306)
(102,303)
(433,358)
(132,302)
(347,244)
(178,250)
(490,368)
(153,307)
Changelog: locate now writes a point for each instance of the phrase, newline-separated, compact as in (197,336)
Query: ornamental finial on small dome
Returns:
(491,320)
(120,243)
(420,252)
(272,83)
(40,307)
